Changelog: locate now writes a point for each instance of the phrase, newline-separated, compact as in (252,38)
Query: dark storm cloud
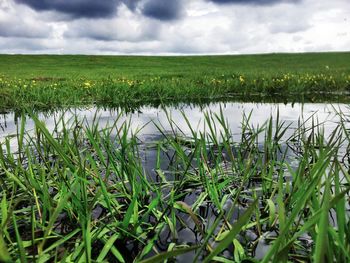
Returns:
(162,10)
(113,30)
(253,2)
(131,4)
(76,8)
(158,9)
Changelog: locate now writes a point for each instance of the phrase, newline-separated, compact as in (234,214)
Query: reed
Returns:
(81,193)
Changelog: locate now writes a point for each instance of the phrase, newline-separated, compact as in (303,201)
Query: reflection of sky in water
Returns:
(233,112)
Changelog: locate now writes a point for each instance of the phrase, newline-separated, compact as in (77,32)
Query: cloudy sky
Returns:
(173,26)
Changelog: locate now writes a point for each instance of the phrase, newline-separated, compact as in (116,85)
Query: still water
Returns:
(145,118)
(148,122)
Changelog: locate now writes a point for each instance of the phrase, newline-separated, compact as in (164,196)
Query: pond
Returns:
(199,167)
(233,112)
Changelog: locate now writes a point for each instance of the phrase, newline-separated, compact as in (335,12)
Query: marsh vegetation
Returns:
(81,191)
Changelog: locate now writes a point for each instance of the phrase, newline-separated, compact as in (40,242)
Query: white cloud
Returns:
(21,22)
(203,28)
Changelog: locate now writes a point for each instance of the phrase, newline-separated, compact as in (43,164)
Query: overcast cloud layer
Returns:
(173,26)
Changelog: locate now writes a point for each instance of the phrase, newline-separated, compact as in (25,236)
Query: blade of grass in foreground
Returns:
(109,245)
(236,228)
(311,222)
(60,205)
(301,196)
(170,254)
(54,143)
(322,237)
(21,251)
(4,254)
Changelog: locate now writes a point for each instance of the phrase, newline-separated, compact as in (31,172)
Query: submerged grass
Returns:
(81,193)
(47,82)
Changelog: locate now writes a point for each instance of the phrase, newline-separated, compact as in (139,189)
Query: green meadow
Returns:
(80,191)
(51,81)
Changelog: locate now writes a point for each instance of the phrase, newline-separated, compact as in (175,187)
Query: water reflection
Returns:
(149,118)
(233,112)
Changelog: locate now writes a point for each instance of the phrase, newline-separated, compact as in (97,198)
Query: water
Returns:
(146,117)
(147,120)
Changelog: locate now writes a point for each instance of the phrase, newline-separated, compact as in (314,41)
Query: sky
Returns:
(173,27)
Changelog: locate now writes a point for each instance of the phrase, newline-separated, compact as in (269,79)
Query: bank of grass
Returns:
(54,81)
(81,194)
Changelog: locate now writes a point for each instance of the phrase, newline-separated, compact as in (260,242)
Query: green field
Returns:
(99,67)
(49,81)
(80,191)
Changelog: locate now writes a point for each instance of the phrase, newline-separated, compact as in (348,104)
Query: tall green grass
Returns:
(81,193)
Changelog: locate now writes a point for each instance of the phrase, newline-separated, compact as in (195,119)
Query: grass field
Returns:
(81,192)
(100,67)
(48,81)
